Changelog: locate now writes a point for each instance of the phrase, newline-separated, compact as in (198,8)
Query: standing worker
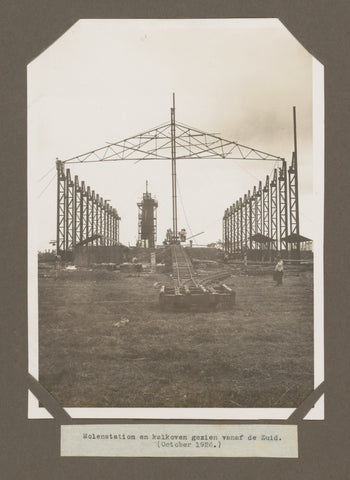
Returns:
(278,273)
(57,265)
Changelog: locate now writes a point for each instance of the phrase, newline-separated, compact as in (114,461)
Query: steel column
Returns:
(266,210)
(69,208)
(274,211)
(61,209)
(283,207)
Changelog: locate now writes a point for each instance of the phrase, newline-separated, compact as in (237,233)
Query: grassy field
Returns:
(104,342)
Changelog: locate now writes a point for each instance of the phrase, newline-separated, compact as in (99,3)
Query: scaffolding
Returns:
(147,220)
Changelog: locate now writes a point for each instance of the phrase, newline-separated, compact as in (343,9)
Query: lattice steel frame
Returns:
(266,211)
(82,216)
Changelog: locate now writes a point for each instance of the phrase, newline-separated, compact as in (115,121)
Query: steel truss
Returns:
(83,218)
(156,144)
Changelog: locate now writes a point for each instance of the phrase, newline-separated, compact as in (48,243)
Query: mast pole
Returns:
(296,180)
(173,170)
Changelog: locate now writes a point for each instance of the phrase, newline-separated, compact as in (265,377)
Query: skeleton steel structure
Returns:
(83,218)
(147,224)
(172,141)
(261,225)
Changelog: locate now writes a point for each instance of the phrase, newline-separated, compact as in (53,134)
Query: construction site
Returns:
(166,322)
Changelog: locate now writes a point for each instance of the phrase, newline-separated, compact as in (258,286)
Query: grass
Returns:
(104,342)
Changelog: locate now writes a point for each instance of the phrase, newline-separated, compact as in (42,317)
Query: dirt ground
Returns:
(104,342)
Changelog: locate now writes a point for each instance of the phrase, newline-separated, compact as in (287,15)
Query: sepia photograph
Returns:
(175,219)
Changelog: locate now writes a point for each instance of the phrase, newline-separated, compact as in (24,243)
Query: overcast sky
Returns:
(105,80)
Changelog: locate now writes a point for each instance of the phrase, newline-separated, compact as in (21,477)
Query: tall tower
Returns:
(147,220)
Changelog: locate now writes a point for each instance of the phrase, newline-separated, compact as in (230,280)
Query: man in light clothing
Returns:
(278,273)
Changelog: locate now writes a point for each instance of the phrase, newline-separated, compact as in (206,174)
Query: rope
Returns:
(53,178)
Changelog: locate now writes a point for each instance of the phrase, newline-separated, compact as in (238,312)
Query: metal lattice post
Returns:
(294,194)
(118,227)
(283,207)
(253,216)
(274,211)
(234,246)
(249,221)
(88,214)
(266,210)
(114,232)
(61,209)
(83,203)
(77,209)
(97,222)
(231,229)
(93,216)
(241,223)
(100,206)
(105,223)
(293,217)
(112,225)
(225,232)
(243,233)
(115,227)
(118,220)
(155,227)
(237,226)
(107,226)
(70,234)
(228,229)
(244,220)
(258,213)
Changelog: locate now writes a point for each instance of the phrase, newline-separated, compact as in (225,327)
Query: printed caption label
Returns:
(180,440)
